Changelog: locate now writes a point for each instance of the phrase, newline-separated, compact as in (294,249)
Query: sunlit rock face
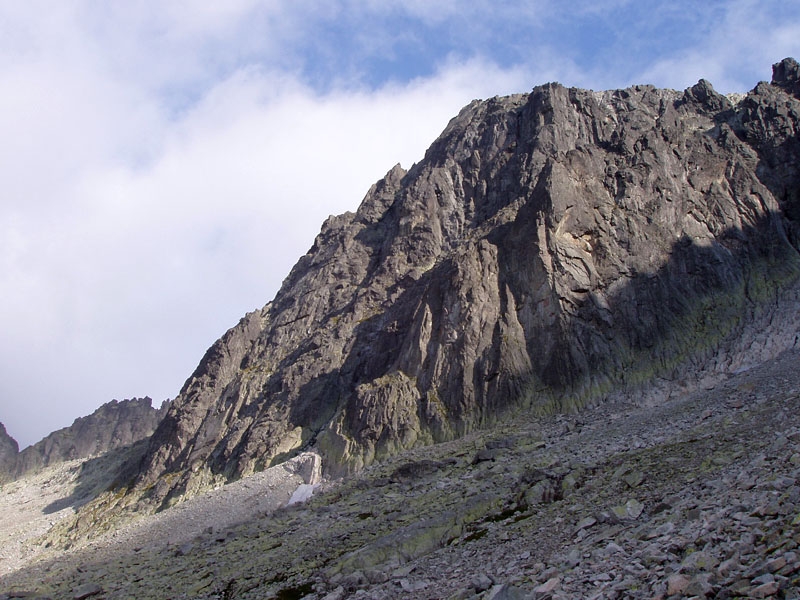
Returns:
(551,249)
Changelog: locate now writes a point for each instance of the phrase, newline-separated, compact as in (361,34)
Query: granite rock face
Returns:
(551,249)
(115,424)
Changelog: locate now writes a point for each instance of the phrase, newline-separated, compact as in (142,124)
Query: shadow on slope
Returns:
(100,474)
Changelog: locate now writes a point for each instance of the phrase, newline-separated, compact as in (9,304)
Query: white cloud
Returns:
(135,235)
(738,51)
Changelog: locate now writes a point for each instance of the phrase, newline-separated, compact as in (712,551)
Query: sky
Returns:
(165,163)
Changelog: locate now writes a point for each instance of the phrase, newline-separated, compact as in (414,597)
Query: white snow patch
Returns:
(303,492)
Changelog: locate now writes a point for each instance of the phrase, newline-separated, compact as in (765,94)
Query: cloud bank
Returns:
(165,165)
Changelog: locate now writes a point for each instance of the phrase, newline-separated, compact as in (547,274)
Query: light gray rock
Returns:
(87,590)
(699,561)
(548,586)
(481,582)
(631,510)
(634,479)
(506,592)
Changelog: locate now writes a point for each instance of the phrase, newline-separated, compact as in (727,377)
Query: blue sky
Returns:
(165,163)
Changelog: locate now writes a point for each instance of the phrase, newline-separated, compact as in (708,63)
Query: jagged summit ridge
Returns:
(116,424)
(550,248)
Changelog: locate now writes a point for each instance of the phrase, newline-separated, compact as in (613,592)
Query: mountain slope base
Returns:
(700,492)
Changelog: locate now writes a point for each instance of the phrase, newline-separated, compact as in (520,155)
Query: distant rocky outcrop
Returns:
(8,454)
(115,424)
(552,248)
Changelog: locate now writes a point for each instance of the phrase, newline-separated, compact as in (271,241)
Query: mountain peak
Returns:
(786,75)
(551,250)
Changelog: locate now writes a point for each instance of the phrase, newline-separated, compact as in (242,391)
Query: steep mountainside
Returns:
(551,249)
(113,425)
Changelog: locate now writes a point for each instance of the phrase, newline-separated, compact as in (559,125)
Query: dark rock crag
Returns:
(8,454)
(114,425)
(551,249)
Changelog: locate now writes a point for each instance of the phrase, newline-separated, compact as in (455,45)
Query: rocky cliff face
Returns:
(116,424)
(8,454)
(551,248)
